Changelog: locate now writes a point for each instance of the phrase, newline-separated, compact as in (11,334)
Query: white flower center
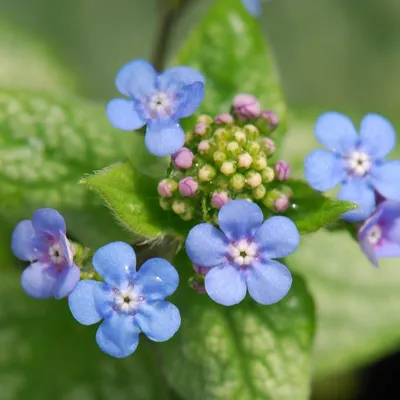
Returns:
(160,105)
(359,163)
(56,253)
(127,299)
(374,235)
(243,252)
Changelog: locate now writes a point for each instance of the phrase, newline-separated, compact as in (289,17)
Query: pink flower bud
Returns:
(188,187)
(183,158)
(282,170)
(166,187)
(203,146)
(201,270)
(269,146)
(218,199)
(200,129)
(224,119)
(281,204)
(246,106)
(270,117)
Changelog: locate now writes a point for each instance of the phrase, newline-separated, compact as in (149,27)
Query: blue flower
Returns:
(130,302)
(355,161)
(241,256)
(253,7)
(379,236)
(43,242)
(159,101)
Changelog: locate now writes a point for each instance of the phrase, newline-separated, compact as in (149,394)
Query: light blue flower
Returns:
(253,7)
(42,241)
(241,256)
(159,101)
(357,162)
(130,302)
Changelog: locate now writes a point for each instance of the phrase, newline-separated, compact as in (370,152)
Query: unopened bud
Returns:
(282,170)
(276,201)
(259,192)
(252,131)
(240,136)
(233,149)
(165,204)
(188,214)
(166,187)
(201,270)
(204,146)
(260,162)
(218,199)
(253,179)
(183,158)
(269,146)
(201,128)
(224,119)
(281,204)
(270,117)
(219,157)
(267,175)
(286,190)
(206,119)
(253,148)
(188,187)
(245,160)
(197,283)
(237,182)
(179,207)
(188,137)
(207,173)
(246,106)
(228,168)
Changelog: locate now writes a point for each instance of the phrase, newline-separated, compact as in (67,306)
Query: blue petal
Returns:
(268,282)
(136,79)
(48,222)
(115,263)
(385,178)
(181,74)
(37,280)
(277,237)
(164,137)
(66,282)
(24,242)
(365,244)
(377,135)
(358,191)
(118,336)
(156,279)
(206,246)
(226,285)
(388,213)
(253,7)
(240,219)
(66,246)
(84,301)
(324,170)
(190,99)
(123,115)
(158,320)
(336,132)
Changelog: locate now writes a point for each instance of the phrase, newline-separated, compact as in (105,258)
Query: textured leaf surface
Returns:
(242,352)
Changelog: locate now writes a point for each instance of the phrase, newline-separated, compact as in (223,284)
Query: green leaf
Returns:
(28,62)
(46,354)
(46,144)
(133,199)
(311,210)
(229,49)
(248,351)
(357,305)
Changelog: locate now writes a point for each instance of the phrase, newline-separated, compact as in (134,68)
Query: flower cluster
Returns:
(358,164)
(225,158)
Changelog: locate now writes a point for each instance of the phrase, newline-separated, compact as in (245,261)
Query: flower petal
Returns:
(226,285)
(240,219)
(181,74)
(360,192)
(277,237)
(336,132)
(66,282)
(115,263)
(24,242)
(118,336)
(66,246)
(377,135)
(156,279)
(385,178)
(159,320)
(136,79)
(206,246)
(268,282)
(324,169)
(388,250)
(48,222)
(362,237)
(253,7)
(190,100)
(164,137)
(82,301)
(37,280)
(123,115)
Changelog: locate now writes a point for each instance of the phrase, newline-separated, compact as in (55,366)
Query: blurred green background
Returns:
(332,54)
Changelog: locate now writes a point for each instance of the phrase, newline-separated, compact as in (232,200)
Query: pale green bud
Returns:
(237,182)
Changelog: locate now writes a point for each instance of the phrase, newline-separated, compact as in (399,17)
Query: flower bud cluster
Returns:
(225,158)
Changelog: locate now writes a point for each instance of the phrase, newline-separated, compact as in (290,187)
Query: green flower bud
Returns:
(253,148)
(244,197)
(240,136)
(286,190)
(179,206)
(252,132)
(228,168)
(237,182)
(260,162)
(267,175)
(222,134)
(207,173)
(188,137)
(253,179)
(219,157)
(259,192)
(165,204)
(188,215)
(233,149)
(271,197)
(206,119)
